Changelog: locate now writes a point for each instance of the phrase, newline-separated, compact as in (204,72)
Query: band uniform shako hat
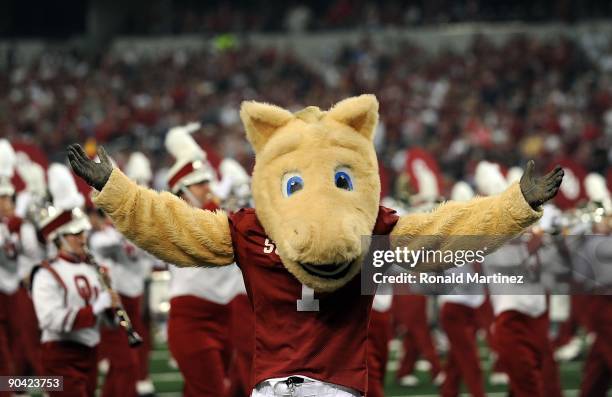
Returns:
(191,165)
(65,215)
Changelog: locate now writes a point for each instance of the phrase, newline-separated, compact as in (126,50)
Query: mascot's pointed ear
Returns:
(359,113)
(261,120)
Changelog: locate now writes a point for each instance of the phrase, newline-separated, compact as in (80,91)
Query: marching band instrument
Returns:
(134,339)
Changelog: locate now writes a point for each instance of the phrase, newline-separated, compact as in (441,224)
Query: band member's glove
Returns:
(95,174)
(103,301)
(537,191)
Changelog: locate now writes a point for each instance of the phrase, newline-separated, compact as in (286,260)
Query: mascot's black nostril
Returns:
(295,231)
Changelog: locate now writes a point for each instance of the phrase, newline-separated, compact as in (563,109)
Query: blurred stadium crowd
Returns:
(237,16)
(528,98)
(524,99)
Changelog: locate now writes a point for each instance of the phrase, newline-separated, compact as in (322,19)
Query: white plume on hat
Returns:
(231,168)
(181,144)
(428,183)
(234,180)
(65,216)
(32,173)
(462,192)
(7,159)
(138,168)
(7,168)
(63,188)
(489,178)
(596,190)
(191,166)
(514,175)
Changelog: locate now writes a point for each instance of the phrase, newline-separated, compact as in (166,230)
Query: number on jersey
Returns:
(269,247)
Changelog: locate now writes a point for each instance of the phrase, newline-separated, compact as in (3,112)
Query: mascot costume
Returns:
(316,192)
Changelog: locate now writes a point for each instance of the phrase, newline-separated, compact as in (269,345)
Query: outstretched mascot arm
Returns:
(494,219)
(160,223)
(505,214)
(165,225)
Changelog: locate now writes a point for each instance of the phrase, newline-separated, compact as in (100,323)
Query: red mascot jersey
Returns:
(298,332)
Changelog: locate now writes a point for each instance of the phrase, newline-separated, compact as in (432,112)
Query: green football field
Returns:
(168,381)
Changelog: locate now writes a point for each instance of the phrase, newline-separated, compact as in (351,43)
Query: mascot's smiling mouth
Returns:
(331,271)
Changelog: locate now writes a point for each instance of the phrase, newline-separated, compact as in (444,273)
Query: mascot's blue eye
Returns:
(292,182)
(343,180)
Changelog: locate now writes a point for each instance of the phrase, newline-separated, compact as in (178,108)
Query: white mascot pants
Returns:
(309,388)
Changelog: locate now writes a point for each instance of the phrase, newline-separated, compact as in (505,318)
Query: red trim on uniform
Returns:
(85,318)
(58,222)
(66,319)
(58,279)
(184,171)
(68,257)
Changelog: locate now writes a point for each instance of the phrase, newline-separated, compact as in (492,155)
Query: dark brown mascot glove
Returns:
(537,191)
(95,174)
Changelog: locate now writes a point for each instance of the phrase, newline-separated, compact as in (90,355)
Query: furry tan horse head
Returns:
(316,185)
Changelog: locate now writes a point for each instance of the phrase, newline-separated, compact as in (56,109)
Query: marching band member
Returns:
(410,309)
(31,253)
(129,267)
(598,366)
(593,261)
(110,247)
(485,315)
(9,277)
(458,318)
(235,192)
(199,321)
(520,328)
(68,296)
(138,169)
